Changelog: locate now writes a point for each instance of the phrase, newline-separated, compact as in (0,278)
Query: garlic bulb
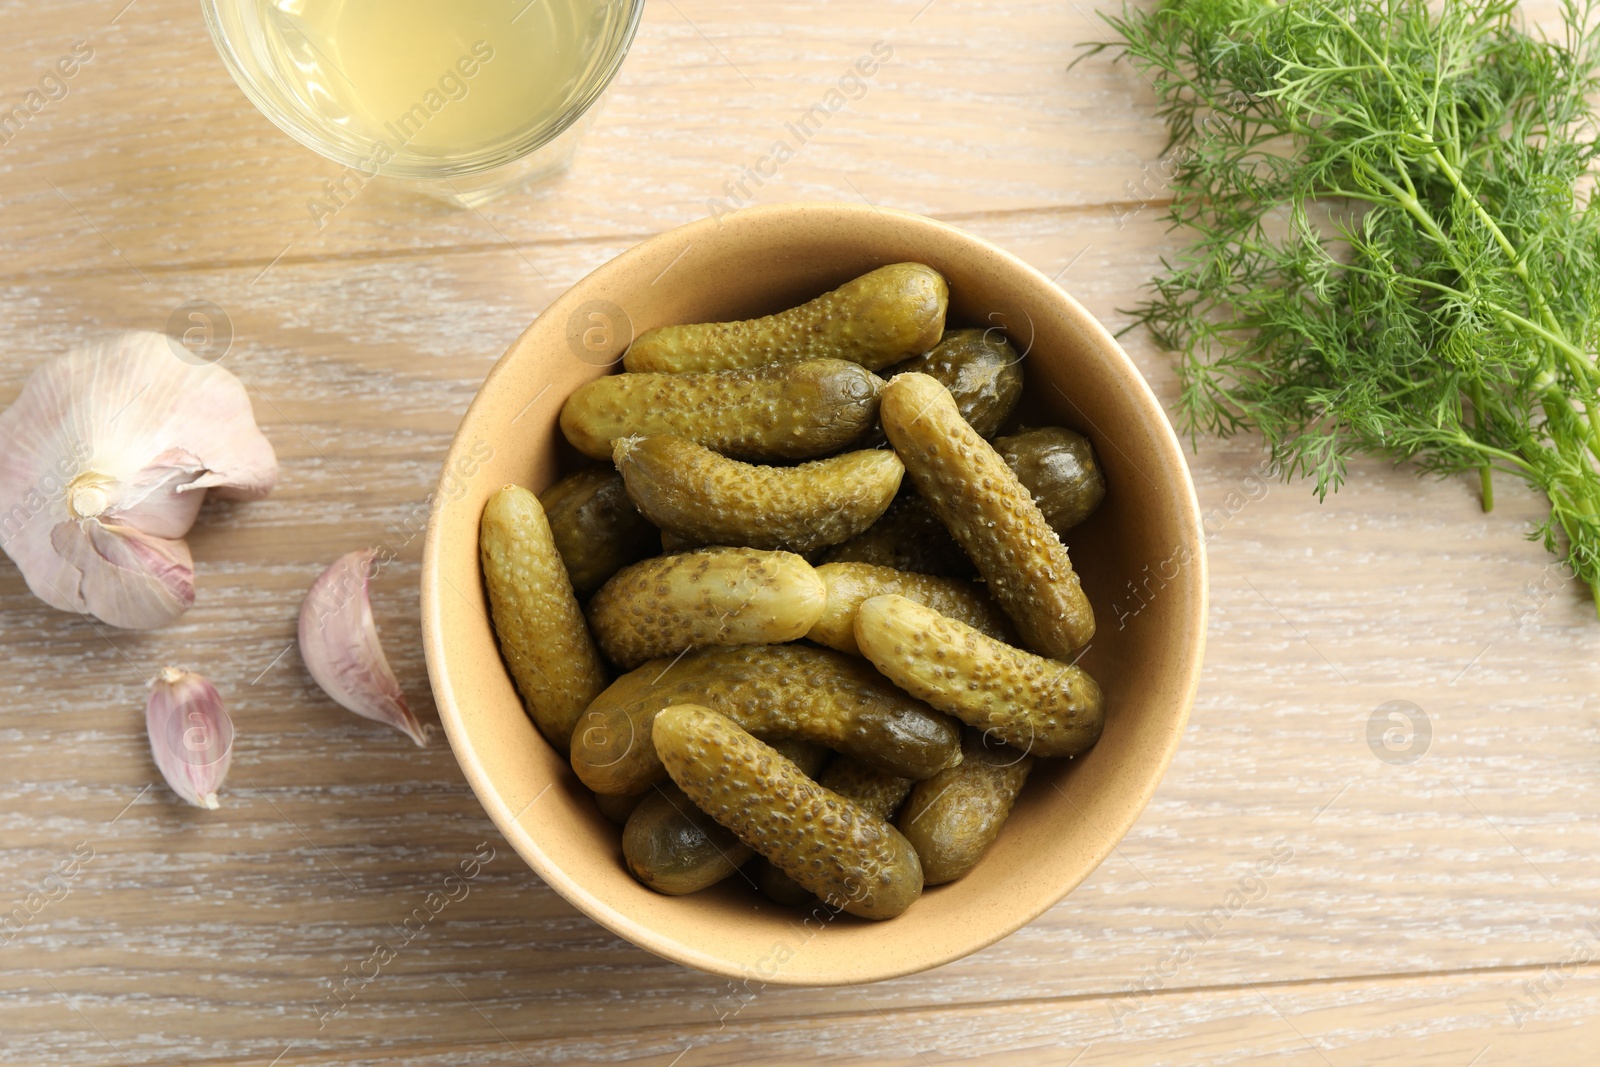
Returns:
(191,735)
(104,460)
(339,643)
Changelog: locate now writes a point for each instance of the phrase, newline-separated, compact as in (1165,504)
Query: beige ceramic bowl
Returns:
(1142,547)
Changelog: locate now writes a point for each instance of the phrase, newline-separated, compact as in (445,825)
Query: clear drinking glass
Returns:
(459,99)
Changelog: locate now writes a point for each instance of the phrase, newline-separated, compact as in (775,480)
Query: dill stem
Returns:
(1481,418)
(1589,425)
(1580,367)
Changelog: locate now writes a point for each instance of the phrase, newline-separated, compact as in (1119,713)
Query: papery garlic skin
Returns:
(191,735)
(339,644)
(105,458)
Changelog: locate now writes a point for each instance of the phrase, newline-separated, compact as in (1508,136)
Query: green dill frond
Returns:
(1391,247)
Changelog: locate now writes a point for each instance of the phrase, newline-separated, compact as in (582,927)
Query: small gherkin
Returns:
(882,317)
(831,846)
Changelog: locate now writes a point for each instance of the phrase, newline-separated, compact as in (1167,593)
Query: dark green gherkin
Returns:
(981,370)
(1059,468)
(675,848)
(908,537)
(953,817)
(596,528)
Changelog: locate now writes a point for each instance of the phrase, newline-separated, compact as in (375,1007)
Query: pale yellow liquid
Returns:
(396,71)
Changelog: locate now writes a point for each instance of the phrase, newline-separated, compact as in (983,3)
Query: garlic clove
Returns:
(339,643)
(191,735)
(158,499)
(116,437)
(125,576)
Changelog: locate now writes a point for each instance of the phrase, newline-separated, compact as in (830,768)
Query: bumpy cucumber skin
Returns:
(711,596)
(981,370)
(909,537)
(697,494)
(787,411)
(989,513)
(831,846)
(849,585)
(596,528)
(876,792)
(1041,706)
(953,817)
(1060,469)
(543,636)
(880,318)
(675,848)
(814,694)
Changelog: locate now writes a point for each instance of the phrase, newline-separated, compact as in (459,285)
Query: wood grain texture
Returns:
(1418,905)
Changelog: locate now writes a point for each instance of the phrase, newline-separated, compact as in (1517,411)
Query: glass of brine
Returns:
(460,99)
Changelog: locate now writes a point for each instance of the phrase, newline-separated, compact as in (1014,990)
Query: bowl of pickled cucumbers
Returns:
(815,594)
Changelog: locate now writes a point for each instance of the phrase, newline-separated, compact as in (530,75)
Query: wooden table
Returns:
(1436,912)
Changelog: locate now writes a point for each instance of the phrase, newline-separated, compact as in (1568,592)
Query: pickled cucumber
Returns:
(829,845)
(981,370)
(596,528)
(710,596)
(953,817)
(777,886)
(989,513)
(848,585)
(814,694)
(1039,705)
(876,792)
(546,644)
(880,318)
(617,807)
(909,537)
(695,493)
(1059,468)
(787,411)
(675,848)
(672,544)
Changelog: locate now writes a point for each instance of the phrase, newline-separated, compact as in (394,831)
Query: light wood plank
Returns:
(1500,1019)
(200,177)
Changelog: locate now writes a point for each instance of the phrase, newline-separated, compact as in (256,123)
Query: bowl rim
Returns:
(507,821)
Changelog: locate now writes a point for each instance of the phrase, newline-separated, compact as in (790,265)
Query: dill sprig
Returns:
(1392,250)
